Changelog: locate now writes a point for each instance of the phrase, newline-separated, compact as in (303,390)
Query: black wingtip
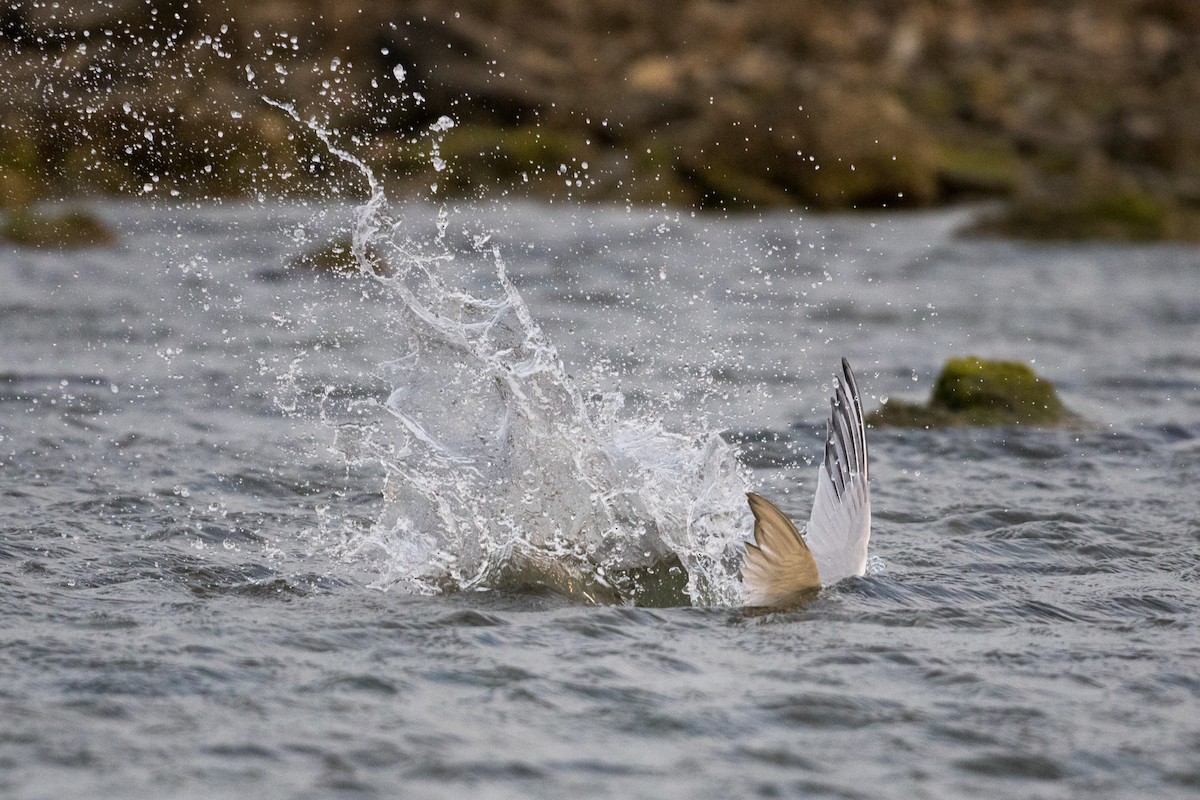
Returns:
(855,398)
(849,375)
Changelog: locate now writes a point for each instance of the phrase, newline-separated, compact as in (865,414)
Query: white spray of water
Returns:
(498,472)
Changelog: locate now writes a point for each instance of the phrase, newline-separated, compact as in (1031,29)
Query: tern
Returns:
(781,567)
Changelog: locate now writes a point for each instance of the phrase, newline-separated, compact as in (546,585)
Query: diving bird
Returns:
(781,567)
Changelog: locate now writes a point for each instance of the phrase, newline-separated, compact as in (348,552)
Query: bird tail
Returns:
(778,569)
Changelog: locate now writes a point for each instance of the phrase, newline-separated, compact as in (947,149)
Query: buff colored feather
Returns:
(778,567)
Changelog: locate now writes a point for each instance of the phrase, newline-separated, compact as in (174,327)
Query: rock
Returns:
(20,183)
(56,230)
(977,169)
(336,257)
(996,391)
(1122,215)
(869,151)
(975,391)
(477,160)
(1090,196)
(853,104)
(18,189)
(655,76)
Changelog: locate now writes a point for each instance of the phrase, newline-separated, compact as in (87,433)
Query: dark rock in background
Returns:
(1084,115)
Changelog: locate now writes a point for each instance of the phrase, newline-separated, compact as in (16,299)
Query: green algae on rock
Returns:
(1134,215)
(976,391)
(337,257)
(50,230)
(978,169)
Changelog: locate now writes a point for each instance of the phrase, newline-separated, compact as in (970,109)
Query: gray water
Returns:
(203,592)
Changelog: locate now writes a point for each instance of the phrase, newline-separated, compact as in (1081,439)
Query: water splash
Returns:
(499,473)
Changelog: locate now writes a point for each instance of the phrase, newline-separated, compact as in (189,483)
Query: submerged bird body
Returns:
(780,566)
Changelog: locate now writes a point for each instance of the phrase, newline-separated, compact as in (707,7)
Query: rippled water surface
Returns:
(196,599)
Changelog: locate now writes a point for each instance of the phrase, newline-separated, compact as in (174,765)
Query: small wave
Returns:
(1017,766)
(837,711)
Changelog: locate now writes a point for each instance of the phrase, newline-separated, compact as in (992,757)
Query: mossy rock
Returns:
(869,150)
(18,189)
(20,179)
(904,414)
(1123,215)
(976,391)
(481,158)
(996,392)
(658,176)
(1133,215)
(871,179)
(979,169)
(336,257)
(56,230)
(93,172)
(511,152)
(727,187)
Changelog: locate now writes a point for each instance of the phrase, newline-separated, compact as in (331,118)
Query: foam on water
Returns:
(499,471)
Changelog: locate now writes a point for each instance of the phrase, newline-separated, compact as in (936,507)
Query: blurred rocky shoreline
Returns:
(1082,117)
